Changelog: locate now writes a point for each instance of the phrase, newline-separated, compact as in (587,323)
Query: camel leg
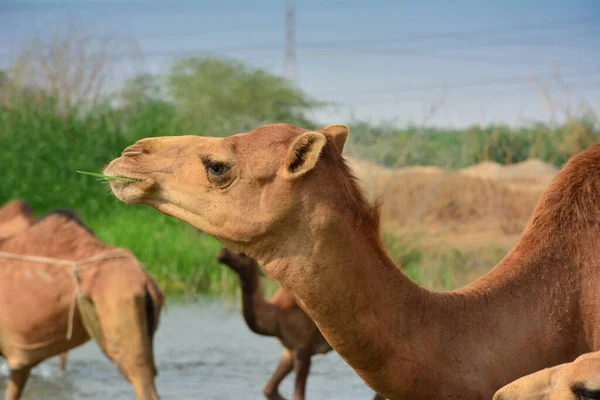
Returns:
(302,366)
(285,366)
(16,383)
(127,341)
(63,361)
(378,397)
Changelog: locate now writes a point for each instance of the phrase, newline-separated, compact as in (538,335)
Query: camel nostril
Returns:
(133,151)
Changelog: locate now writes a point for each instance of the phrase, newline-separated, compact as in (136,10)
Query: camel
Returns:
(60,286)
(577,380)
(286,197)
(280,317)
(16,216)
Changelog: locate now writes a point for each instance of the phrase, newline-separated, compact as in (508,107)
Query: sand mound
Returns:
(485,169)
(529,170)
(451,201)
(487,197)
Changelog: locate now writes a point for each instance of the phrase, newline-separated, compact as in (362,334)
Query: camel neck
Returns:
(383,323)
(259,314)
(348,285)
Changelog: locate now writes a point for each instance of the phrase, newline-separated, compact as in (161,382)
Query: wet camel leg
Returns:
(302,366)
(286,363)
(63,361)
(16,383)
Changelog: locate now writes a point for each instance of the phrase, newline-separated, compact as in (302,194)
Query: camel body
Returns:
(286,197)
(16,216)
(43,299)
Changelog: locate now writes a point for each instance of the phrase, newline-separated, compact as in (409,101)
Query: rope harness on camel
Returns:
(76,269)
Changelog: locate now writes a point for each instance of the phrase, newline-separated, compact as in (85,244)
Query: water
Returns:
(204,350)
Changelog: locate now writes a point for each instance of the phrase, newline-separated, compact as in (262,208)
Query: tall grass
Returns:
(43,148)
(180,258)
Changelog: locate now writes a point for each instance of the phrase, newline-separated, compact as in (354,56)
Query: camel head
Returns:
(15,216)
(578,380)
(237,261)
(245,189)
(246,267)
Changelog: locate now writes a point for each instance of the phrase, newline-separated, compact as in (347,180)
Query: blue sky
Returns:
(379,59)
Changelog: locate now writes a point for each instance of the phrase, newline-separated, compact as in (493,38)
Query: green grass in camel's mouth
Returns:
(108,177)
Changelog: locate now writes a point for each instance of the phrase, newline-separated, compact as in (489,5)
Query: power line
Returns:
(335,44)
(496,93)
(464,85)
(537,42)
(417,53)
(407,37)
(327,45)
(332,46)
(460,35)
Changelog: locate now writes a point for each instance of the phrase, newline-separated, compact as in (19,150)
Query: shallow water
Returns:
(203,351)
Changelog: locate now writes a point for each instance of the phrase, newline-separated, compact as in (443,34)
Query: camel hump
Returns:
(59,215)
(571,200)
(13,208)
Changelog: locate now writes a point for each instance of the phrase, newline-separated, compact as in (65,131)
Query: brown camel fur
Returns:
(286,197)
(577,380)
(280,317)
(38,294)
(16,216)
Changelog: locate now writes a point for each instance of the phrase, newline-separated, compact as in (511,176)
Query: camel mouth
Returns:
(128,186)
(127,179)
(124,179)
(122,175)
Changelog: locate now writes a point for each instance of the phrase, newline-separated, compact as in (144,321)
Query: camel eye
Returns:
(583,393)
(216,167)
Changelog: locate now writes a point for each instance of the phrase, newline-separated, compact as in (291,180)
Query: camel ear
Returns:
(303,154)
(338,133)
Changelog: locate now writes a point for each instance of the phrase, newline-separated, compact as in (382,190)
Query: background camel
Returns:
(280,317)
(15,216)
(286,197)
(56,304)
(578,380)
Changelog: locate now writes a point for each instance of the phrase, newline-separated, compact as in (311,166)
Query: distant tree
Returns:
(142,89)
(72,63)
(217,96)
(145,109)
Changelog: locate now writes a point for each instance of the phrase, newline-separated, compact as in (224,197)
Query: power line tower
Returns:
(290,67)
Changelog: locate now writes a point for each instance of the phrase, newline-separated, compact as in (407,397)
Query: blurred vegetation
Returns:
(451,148)
(47,133)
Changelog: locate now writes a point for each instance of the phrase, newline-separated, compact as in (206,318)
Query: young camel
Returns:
(285,196)
(577,380)
(56,304)
(280,317)
(16,216)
